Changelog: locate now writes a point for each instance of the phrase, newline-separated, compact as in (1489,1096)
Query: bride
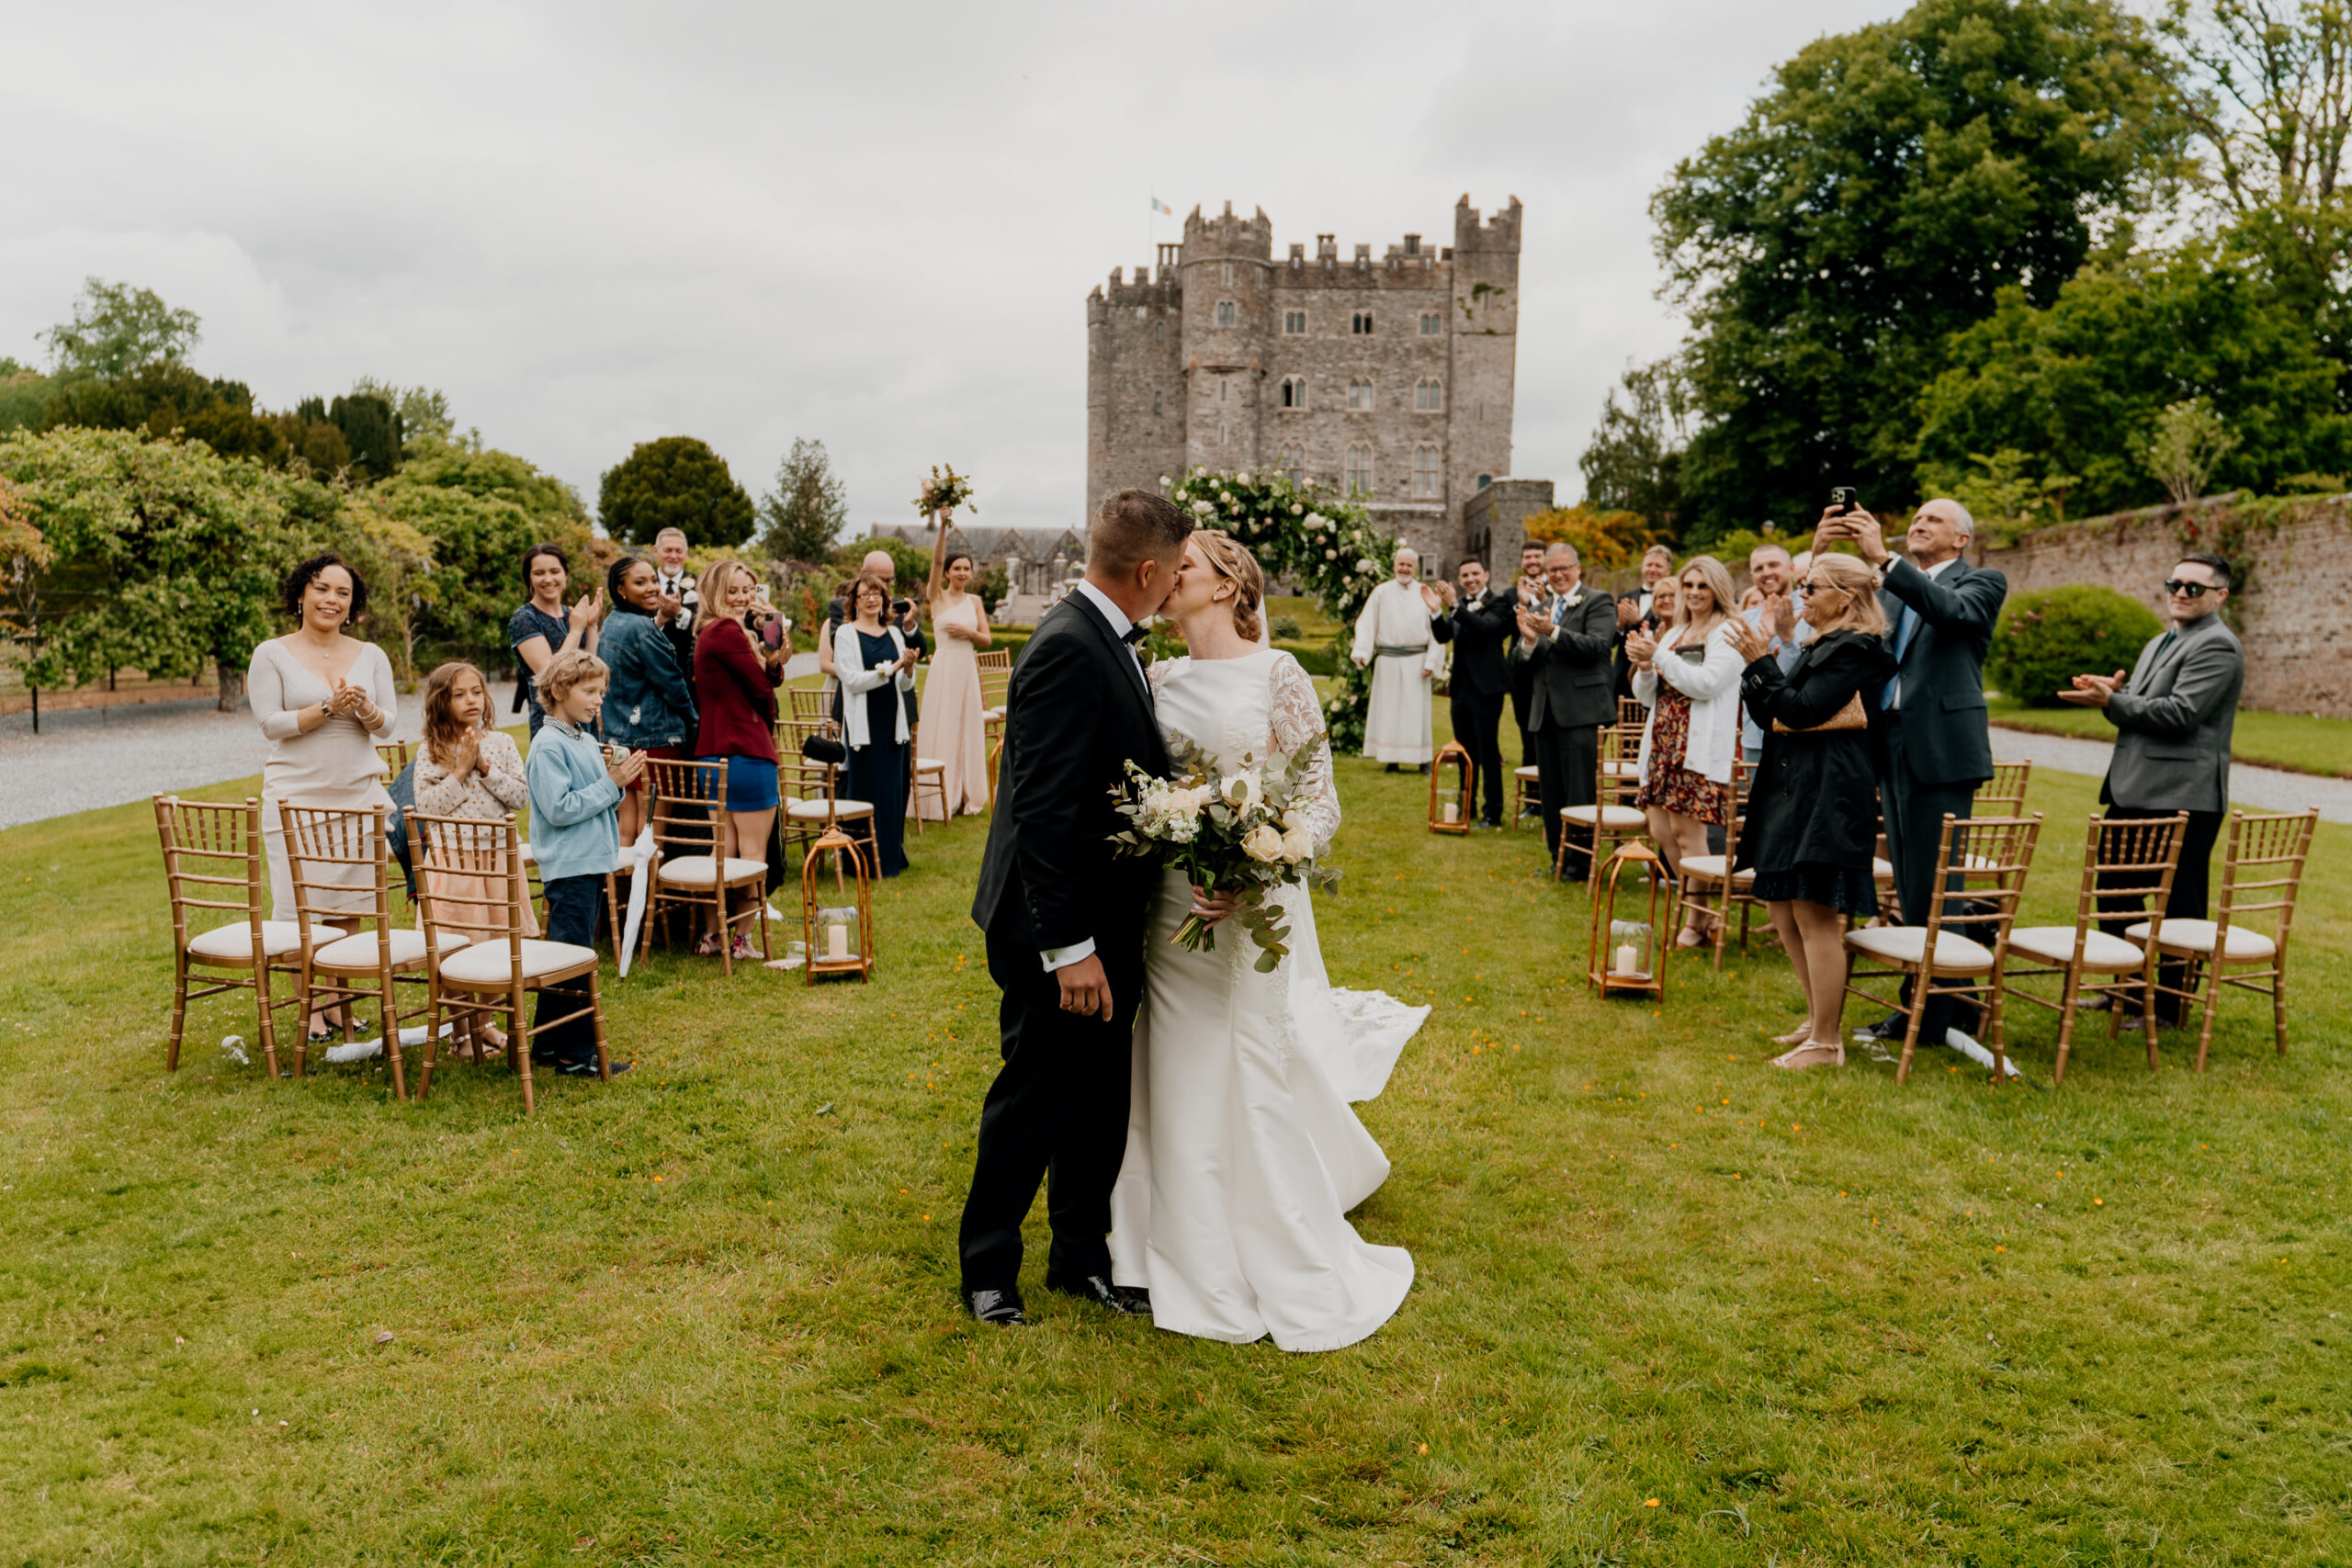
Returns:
(1242,1154)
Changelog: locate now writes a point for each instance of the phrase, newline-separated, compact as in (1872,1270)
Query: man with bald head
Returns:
(1940,615)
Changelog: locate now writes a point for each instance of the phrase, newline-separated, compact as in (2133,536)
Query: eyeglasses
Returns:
(1818,585)
(2194,589)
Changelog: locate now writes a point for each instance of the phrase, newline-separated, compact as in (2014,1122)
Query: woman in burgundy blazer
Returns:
(736,675)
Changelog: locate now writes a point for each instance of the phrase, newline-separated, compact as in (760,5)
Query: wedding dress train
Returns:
(1243,1157)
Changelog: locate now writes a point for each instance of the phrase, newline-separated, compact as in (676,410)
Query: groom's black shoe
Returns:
(1128,1300)
(1002,1308)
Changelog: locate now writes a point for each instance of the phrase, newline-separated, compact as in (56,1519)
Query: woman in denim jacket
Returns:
(648,706)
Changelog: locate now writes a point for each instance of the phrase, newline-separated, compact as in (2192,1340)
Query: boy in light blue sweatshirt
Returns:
(575,837)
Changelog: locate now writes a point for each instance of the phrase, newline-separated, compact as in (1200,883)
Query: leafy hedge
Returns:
(2047,638)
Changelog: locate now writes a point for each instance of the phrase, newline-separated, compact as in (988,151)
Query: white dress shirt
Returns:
(1063,957)
(681,588)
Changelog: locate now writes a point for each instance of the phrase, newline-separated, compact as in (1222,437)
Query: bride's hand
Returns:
(1214,906)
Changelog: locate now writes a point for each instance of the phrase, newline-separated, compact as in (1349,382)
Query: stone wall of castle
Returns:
(1401,367)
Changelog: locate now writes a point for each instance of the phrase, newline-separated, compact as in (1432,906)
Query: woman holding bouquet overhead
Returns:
(876,672)
(1242,1155)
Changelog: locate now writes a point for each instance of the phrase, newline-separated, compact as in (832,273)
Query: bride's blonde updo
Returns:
(1239,567)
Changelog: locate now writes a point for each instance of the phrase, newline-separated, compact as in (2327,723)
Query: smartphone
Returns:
(1841,499)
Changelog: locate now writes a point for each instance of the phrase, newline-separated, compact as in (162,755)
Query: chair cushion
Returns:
(1605,816)
(1882,870)
(1955,954)
(814,811)
(930,766)
(356,954)
(234,944)
(2197,936)
(992,715)
(485,966)
(697,871)
(2055,944)
(1529,774)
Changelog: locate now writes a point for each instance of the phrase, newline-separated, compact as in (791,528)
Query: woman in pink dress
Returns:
(952,731)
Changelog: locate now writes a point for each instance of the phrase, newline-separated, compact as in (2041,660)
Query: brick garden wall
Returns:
(2295,616)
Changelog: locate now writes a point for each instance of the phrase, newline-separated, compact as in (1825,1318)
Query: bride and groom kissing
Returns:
(1188,1115)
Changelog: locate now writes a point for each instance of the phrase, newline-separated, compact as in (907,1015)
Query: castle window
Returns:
(1359,395)
(1220,434)
(1143,312)
(1360,323)
(1293,464)
(1425,471)
(1159,332)
(1227,312)
(1433,323)
(1486,480)
(1359,469)
(1155,402)
(1295,322)
(1293,391)
(1220,389)
(1429,395)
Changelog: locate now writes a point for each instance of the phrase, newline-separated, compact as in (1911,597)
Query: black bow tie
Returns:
(1134,635)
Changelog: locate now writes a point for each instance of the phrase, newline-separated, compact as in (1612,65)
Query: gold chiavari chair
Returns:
(212,864)
(2260,878)
(691,867)
(2128,865)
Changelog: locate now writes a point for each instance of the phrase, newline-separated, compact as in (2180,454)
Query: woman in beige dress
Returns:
(953,731)
(323,700)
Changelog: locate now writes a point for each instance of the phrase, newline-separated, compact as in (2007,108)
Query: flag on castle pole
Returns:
(1160,206)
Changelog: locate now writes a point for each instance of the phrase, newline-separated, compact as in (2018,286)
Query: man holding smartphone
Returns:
(1936,744)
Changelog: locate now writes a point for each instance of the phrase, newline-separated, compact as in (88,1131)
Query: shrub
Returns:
(1285,628)
(2048,637)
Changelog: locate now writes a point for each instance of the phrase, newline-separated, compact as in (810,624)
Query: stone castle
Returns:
(1388,379)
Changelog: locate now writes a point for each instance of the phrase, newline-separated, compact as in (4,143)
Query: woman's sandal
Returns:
(708,946)
(1797,1036)
(1823,1053)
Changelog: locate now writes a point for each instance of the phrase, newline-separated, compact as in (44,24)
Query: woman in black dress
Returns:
(876,668)
(1812,820)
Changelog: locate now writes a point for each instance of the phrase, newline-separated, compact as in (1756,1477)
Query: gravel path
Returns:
(87,758)
(2264,789)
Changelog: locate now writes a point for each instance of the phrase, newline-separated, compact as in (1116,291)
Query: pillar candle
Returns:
(1453,812)
(837,943)
(1624,964)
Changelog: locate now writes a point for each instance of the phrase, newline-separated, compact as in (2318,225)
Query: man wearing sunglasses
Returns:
(2173,722)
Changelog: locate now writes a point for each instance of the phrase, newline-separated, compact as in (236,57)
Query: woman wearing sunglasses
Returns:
(1811,819)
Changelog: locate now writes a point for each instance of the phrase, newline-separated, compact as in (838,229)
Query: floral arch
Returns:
(1326,546)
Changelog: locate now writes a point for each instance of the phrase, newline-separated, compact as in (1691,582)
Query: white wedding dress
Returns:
(1243,1157)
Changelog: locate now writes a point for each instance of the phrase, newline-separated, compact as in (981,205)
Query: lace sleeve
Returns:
(1297,725)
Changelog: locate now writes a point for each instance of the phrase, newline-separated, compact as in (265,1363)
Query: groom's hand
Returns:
(1086,989)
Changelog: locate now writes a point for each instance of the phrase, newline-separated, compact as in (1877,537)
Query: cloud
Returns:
(875,225)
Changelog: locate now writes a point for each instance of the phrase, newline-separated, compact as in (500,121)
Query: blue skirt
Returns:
(750,782)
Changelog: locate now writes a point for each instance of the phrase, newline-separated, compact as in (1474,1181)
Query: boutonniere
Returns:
(1576,599)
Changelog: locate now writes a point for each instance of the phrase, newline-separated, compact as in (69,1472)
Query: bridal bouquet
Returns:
(943,493)
(1235,832)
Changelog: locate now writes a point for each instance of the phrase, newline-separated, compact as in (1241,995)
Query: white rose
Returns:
(1294,819)
(1297,846)
(1295,509)
(1243,476)
(1330,555)
(1262,844)
(1243,790)
(1366,564)
(1203,507)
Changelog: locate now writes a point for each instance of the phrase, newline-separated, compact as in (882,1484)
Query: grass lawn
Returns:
(1672,1306)
(2301,743)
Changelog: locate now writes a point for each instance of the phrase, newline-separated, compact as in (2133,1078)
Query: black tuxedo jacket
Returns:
(1571,666)
(1944,738)
(1480,630)
(1621,666)
(1076,711)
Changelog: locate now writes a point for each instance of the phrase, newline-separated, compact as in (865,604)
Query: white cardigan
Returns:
(1714,690)
(849,668)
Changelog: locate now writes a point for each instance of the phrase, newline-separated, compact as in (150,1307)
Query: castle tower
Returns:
(1226,262)
(1388,379)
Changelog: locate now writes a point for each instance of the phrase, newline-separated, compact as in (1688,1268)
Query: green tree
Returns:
(1893,181)
(164,398)
(373,428)
(1635,463)
(806,511)
(23,392)
(425,416)
(161,552)
(116,328)
(2079,388)
(479,509)
(674,482)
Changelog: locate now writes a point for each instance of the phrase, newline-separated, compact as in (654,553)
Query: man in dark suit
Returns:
(1940,615)
(1640,609)
(1480,626)
(2174,721)
(1065,920)
(1527,588)
(1566,640)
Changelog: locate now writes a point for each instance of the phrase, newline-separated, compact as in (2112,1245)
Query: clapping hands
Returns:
(623,768)
(1750,640)
(1641,649)
(2092,691)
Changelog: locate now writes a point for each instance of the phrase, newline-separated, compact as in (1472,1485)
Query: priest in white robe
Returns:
(1393,638)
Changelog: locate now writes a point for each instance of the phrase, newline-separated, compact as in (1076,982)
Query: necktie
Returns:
(1909,622)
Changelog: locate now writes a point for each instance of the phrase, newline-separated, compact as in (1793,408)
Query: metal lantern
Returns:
(837,922)
(1450,790)
(1627,953)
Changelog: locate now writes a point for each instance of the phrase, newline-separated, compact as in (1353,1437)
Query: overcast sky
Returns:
(874,224)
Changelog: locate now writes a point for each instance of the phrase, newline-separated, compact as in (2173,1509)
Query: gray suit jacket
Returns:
(2172,721)
(1572,688)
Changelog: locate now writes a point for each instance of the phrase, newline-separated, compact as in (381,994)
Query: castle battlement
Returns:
(1226,236)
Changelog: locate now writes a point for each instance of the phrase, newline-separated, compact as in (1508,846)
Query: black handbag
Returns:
(824,749)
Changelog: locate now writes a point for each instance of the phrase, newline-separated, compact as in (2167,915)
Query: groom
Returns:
(1065,920)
